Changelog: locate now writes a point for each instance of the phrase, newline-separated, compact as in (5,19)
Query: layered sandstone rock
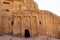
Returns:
(16,16)
(18,5)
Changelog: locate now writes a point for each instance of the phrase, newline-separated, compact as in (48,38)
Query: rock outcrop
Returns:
(17,16)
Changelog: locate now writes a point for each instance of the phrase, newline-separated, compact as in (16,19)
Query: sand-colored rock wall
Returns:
(16,16)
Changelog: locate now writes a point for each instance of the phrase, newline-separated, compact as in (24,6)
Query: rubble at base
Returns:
(7,37)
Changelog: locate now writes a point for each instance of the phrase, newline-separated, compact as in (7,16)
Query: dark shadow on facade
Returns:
(27,34)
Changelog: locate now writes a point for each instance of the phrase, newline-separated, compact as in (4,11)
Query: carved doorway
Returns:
(27,34)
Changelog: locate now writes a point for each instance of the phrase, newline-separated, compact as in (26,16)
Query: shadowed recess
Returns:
(27,34)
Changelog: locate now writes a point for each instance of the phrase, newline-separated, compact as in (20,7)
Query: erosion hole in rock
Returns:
(6,2)
(40,22)
(7,10)
(12,23)
(27,34)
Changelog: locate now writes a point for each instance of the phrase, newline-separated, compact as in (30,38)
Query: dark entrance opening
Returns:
(12,23)
(27,34)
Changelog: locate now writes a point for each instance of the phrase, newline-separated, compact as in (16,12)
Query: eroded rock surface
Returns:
(7,37)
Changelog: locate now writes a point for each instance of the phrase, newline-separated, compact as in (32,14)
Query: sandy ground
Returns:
(7,37)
